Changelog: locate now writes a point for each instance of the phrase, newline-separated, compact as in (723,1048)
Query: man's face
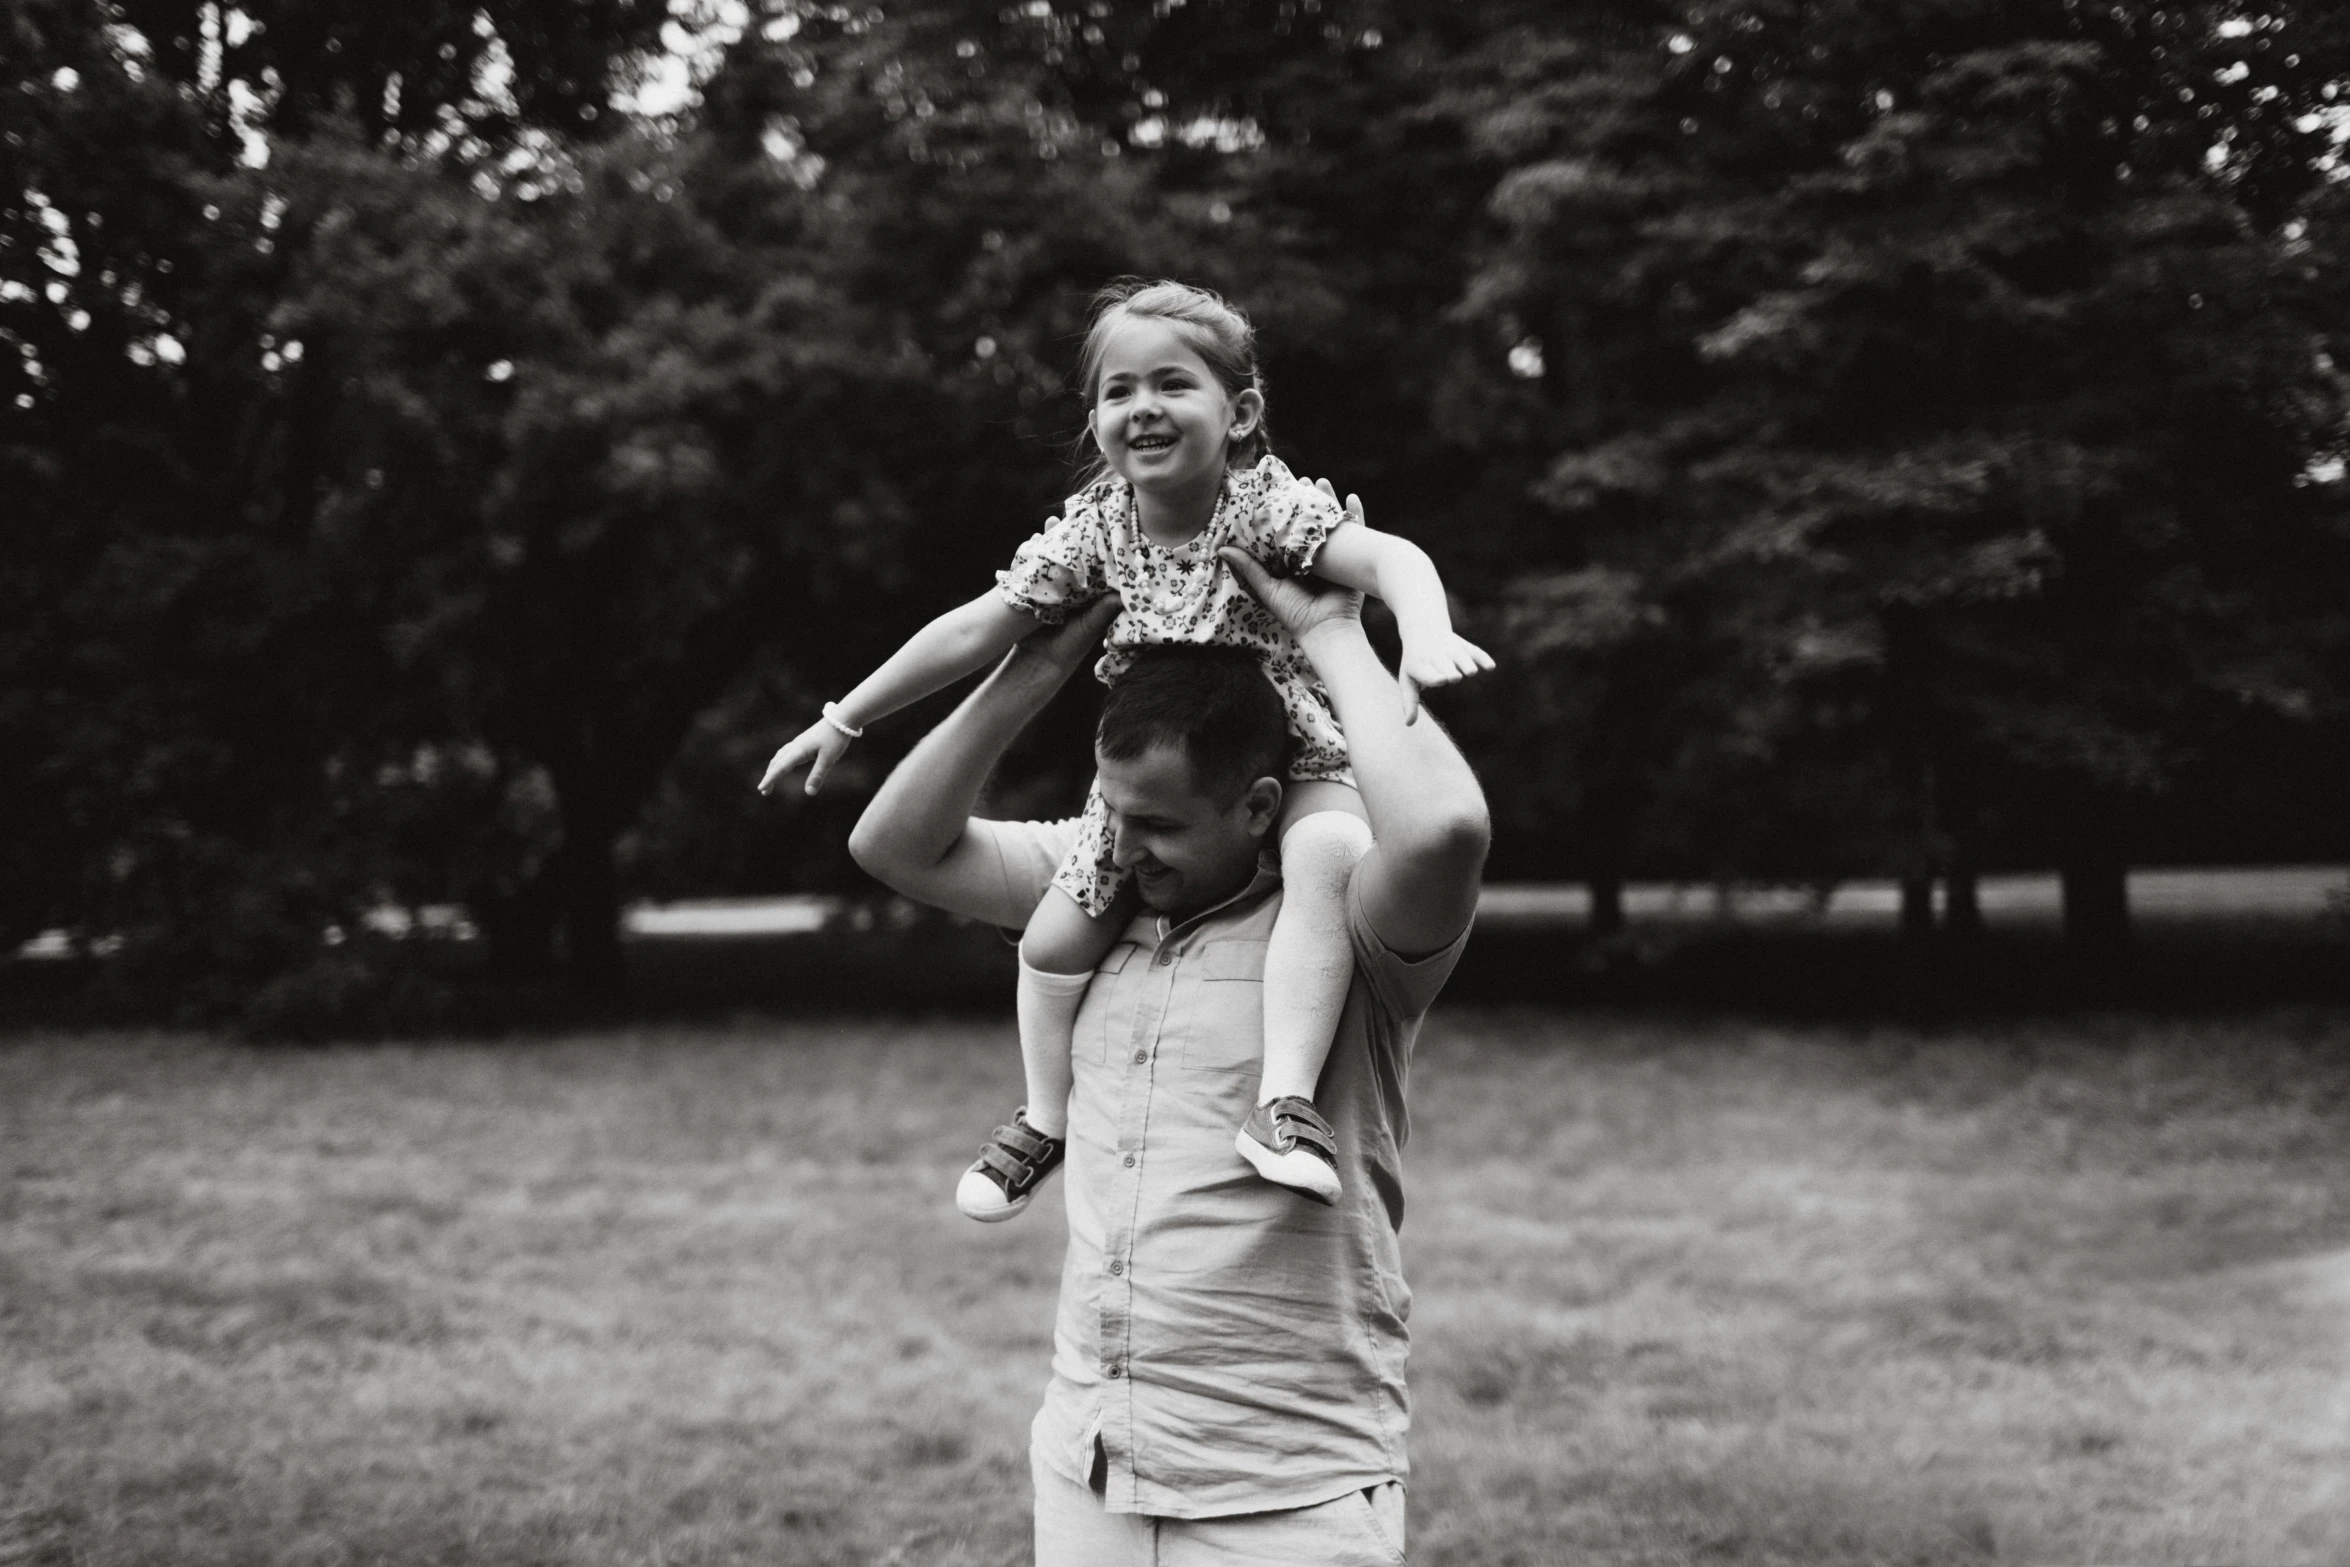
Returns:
(1186,850)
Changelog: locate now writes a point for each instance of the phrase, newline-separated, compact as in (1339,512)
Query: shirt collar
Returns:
(1268,877)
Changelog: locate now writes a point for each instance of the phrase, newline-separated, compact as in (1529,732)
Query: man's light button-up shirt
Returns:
(1224,1345)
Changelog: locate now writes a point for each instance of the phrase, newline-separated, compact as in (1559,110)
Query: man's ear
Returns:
(1248,410)
(1262,801)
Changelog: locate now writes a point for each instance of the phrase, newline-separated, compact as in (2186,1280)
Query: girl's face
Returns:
(1162,419)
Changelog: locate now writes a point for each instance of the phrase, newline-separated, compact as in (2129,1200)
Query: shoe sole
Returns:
(1280,1169)
(995,1215)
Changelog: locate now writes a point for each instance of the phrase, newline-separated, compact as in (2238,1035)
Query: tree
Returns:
(1974,352)
(190,653)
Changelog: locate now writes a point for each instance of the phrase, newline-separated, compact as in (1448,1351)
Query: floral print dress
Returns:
(1183,594)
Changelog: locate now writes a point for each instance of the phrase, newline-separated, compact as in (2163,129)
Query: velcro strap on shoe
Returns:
(1302,1123)
(1028,1144)
(1012,1172)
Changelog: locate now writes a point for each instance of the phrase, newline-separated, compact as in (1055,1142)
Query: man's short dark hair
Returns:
(1214,704)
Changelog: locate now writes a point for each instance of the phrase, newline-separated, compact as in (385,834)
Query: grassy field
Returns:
(1688,1292)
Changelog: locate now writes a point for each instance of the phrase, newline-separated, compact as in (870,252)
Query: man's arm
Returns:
(1418,884)
(918,836)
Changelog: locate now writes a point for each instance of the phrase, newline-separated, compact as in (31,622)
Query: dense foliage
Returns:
(1894,438)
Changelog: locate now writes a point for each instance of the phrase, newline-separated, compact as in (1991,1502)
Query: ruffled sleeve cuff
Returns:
(1298,519)
(1036,588)
(1061,569)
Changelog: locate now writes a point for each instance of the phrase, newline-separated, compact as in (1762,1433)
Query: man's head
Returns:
(1191,750)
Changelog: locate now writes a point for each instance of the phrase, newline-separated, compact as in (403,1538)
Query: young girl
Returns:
(1177,411)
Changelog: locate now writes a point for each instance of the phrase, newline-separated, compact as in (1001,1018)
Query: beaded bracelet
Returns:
(832,717)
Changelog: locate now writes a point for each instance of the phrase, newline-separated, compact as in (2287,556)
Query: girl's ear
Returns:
(1248,408)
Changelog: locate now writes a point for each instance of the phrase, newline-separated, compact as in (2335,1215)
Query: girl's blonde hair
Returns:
(1211,325)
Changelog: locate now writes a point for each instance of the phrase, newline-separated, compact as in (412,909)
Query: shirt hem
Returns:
(1268,1502)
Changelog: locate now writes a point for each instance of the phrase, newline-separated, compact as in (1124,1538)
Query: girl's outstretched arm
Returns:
(963,641)
(1400,574)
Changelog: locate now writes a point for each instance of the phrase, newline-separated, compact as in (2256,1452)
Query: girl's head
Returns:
(1171,386)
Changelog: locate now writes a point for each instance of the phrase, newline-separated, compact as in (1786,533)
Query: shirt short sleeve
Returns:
(1296,519)
(1405,987)
(1063,568)
(1006,871)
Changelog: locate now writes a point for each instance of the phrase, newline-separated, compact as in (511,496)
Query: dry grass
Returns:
(1699,1292)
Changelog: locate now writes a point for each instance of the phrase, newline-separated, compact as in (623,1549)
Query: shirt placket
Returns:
(1138,1069)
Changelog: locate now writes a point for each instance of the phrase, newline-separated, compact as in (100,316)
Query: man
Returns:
(1228,1362)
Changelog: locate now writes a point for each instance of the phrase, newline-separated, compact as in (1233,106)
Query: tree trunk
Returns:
(1917,908)
(1962,902)
(518,929)
(1962,906)
(2096,903)
(1607,905)
(592,958)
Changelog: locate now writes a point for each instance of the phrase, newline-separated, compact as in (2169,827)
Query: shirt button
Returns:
(1141,1056)
(1130,1161)
(1117,1268)
(1115,1373)
(1165,957)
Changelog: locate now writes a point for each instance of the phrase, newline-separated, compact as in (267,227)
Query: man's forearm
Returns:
(1417,787)
(919,814)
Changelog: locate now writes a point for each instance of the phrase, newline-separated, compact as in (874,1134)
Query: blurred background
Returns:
(448,447)
(1895,1108)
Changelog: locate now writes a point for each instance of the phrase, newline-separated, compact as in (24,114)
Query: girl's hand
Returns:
(816,748)
(1437,661)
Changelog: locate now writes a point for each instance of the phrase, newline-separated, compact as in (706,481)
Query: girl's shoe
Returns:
(1011,1165)
(1291,1145)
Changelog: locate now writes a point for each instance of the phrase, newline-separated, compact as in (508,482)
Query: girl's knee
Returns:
(1062,938)
(1327,841)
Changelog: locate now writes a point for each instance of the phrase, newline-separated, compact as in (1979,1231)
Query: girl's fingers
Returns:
(1411,698)
(778,767)
(816,774)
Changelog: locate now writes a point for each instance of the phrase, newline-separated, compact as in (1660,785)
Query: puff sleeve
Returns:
(1295,519)
(1062,569)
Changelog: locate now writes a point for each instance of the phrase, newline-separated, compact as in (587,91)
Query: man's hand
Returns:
(1299,603)
(1055,652)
